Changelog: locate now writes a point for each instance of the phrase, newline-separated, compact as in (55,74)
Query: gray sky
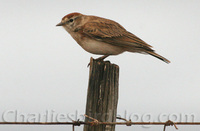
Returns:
(42,69)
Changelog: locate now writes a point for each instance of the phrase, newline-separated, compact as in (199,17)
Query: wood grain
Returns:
(102,95)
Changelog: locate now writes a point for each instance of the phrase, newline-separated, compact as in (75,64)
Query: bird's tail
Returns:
(158,56)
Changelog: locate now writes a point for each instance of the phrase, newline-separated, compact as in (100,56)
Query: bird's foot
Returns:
(99,59)
(102,57)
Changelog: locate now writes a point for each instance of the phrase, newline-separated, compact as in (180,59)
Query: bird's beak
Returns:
(60,24)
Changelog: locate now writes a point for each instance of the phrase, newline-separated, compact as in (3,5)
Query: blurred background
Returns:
(44,74)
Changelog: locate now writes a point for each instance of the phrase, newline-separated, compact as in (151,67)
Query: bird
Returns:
(102,36)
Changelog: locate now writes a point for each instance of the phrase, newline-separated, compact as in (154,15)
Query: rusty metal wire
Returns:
(95,122)
(76,123)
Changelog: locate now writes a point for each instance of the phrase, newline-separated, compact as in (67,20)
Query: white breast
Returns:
(101,48)
(96,47)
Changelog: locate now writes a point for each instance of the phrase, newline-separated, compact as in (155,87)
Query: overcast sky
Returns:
(42,69)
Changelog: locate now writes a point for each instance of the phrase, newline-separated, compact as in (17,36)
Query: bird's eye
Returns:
(71,20)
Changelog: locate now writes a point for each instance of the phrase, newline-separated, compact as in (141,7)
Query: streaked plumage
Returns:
(103,36)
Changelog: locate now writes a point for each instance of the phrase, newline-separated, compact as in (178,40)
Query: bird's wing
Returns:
(113,33)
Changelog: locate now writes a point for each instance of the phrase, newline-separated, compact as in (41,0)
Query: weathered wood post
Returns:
(102,95)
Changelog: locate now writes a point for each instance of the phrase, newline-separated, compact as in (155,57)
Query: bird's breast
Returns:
(97,47)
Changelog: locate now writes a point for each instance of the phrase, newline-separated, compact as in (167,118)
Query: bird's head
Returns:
(71,21)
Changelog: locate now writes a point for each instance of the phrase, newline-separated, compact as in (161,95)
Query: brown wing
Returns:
(113,33)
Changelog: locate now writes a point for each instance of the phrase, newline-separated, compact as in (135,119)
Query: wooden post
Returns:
(102,95)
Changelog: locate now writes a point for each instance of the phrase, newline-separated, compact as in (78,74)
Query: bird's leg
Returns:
(102,57)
